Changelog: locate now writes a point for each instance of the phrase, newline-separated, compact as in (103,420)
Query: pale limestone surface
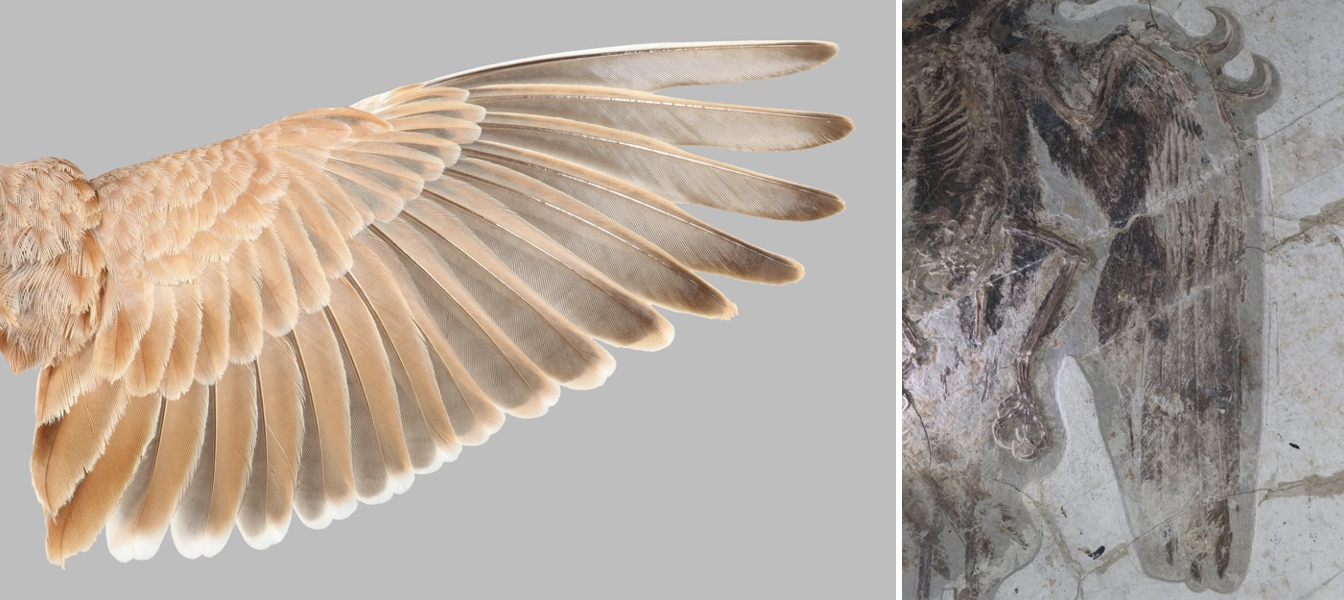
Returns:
(1300,515)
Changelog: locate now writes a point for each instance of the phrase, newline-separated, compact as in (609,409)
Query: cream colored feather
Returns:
(630,261)
(549,340)
(470,412)
(64,450)
(676,121)
(691,241)
(372,392)
(422,411)
(212,356)
(661,168)
(73,528)
(210,506)
(326,471)
(509,379)
(306,316)
(268,499)
(583,295)
(146,508)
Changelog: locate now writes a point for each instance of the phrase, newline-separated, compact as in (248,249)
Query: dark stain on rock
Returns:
(968,317)
(993,295)
(1211,238)
(1158,329)
(1135,278)
(1222,548)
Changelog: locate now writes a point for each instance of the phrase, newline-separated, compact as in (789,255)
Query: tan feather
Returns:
(128,310)
(421,444)
(245,312)
(180,372)
(445,148)
(279,300)
(137,527)
(452,129)
(382,194)
(409,94)
(174,268)
(508,377)
(653,67)
(662,168)
(60,384)
(268,500)
(193,506)
(204,521)
(422,411)
(74,528)
(368,160)
(373,402)
(212,355)
(626,258)
(66,449)
(145,372)
(341,125)
(472,415)
(326,489)
(347,212)
(585,297)
(309,276)
(395,156)
(252,209)
(676,121)
(546,338)
(327,239)
(447,107)
(688,239)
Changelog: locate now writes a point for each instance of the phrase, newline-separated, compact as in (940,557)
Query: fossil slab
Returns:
(1084,189)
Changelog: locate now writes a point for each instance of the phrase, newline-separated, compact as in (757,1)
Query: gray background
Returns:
(752,457)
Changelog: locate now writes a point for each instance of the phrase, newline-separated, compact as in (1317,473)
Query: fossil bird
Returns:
(304,317)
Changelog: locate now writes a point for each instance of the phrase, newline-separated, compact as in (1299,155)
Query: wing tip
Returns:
(139,547)
(843,126)
(830,128)
(825,205)
(829,50)
(271,535)
(56,549)
(821,52)
(595,376)
(658,337)
(792,272)
(56,555)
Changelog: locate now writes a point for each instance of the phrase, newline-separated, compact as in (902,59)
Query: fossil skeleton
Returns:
(305,316)
(1081,190)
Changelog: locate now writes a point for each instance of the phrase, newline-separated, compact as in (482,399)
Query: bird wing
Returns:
(307,315)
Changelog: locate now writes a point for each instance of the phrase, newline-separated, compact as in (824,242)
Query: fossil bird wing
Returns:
(307,315)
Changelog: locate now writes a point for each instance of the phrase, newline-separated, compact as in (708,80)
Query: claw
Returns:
(1241,101)
(1264,80)
(1224,42)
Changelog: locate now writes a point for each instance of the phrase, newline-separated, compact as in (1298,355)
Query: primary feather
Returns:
(309,314)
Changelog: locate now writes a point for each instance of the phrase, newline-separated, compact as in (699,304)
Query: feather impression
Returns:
(302,318)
